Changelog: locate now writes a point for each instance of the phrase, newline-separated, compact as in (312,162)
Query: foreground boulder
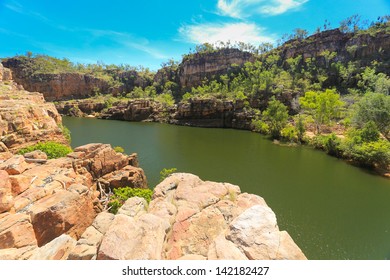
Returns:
(46,207)
(192,219)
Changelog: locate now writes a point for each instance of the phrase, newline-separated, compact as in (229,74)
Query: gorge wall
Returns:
(64,86)
(364,47)
(210,112)
(53,209)
(197,67)
(25,117)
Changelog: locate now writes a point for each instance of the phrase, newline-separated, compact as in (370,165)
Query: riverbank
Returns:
(316,198)
(53,206)
(211,113)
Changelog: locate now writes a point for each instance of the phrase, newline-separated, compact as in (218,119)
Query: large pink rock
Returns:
(57,249)
(130,238)
(192,219)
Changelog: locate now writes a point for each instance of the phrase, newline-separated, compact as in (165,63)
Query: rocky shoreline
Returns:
(51,209)
(208,112)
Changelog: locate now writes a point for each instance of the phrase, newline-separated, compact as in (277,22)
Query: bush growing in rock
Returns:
(119,149)
(166,172)
(51,149)
(122,194)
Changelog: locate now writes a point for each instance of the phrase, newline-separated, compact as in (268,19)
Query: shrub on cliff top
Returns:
(119,149)
(52,149)
(122,194)
(66,132)
(166,172)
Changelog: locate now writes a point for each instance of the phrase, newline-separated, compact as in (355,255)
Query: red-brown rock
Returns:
(6,200)
(16,231)
(62,212)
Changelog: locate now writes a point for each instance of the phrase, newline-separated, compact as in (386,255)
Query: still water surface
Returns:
(331,209)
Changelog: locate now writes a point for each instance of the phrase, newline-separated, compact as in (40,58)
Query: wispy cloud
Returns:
(234,32)
(14,6)
(120,39)
(246,8)
(18,8)
(128,40)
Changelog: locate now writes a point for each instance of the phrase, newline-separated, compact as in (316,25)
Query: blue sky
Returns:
(150,32)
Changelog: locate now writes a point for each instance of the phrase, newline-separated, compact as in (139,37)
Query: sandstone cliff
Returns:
(195,68)
(58,86)
(42,201)
(213,112)
(5,73)
(364,47)
(25,117)
(200,66)
(64,86)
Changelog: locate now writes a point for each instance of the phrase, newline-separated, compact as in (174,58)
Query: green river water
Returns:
(331,209)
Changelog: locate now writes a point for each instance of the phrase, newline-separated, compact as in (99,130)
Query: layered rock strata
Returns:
(209,112)
(25,117)
(202,66)
(46,207)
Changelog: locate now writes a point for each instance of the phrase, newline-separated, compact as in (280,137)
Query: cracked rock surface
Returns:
(192,219)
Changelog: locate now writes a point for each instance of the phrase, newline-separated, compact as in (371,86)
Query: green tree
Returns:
(300,127)
(328,56)
(323,106)
(373,107)
(166,99)
(165,172)
(276,116)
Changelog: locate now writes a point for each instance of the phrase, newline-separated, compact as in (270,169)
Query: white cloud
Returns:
(282,6)
(234,32)
(245,8)
(128,40)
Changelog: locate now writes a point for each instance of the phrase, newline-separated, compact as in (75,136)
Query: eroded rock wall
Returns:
(25,117)
(40,202)
(198,67)
(347,46)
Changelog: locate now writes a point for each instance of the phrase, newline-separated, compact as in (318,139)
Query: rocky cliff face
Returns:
(5,73)
(213,113)
(198,67)
(209,112)
(347,46)
(25,117)
(40,201)
(57,86)
(64,86)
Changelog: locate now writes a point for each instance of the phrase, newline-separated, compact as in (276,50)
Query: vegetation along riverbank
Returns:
(329,90)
